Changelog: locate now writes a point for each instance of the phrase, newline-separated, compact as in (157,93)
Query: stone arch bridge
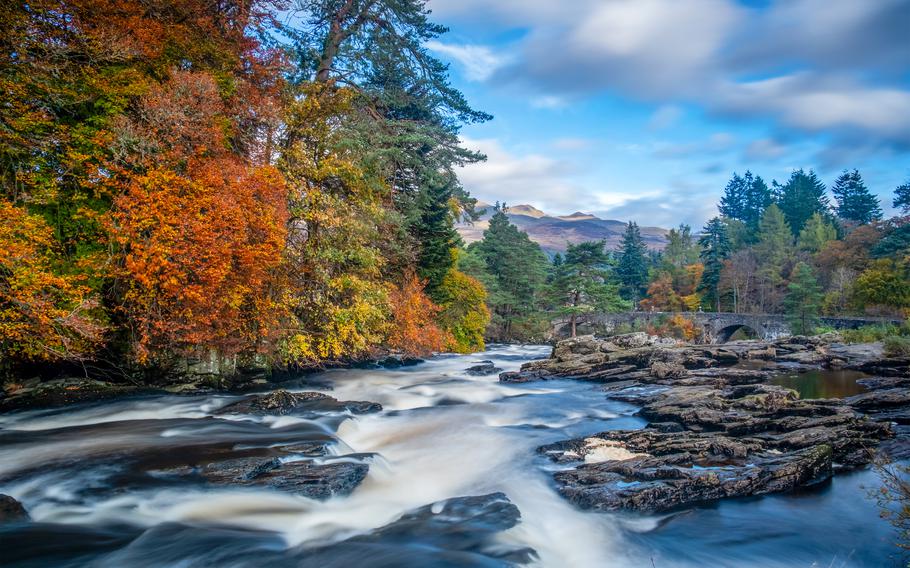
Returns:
(719,327)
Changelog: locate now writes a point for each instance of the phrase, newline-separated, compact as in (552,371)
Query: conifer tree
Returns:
(803,301)
(715,249)
(582,283)
(757,199)
(817,233)
(773,251)
(519,267)
(902,198)
(800,197)
(436,236)
(632,266)
(854,201)
(733,202)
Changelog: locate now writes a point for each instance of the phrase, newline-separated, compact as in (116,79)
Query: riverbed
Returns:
(87,476)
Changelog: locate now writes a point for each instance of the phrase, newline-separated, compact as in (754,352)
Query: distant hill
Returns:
(552,232)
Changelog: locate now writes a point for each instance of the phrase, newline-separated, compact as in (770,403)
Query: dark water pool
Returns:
(823,383)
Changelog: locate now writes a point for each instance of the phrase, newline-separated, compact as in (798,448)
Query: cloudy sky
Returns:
(642,109)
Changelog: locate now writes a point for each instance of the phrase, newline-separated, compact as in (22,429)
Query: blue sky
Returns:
(642,109)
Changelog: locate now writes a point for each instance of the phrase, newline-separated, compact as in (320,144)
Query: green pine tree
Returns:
(902,198)
(803,301)
(817,233)
(519,267)
(582,283)
(632,265)
(800,197)
(436,236)
(733,202)
(854,201)
(757,199)
(715,248)
(773,251)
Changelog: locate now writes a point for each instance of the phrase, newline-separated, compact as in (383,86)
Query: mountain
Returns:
(552,232)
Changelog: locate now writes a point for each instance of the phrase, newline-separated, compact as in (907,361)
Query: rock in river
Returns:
(282,402)
(12,511)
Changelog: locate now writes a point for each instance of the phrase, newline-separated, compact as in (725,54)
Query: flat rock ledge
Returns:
(716,430)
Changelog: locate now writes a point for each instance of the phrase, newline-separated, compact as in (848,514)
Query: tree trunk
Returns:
(332,43)
(573,324)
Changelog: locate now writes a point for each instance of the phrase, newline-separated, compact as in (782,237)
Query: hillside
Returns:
(552,232)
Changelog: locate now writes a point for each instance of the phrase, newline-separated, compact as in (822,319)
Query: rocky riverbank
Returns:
(717,427)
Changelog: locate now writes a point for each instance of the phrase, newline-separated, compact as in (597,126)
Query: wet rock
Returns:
(398,361)
(662,482)
(524,376)
(483,369)
(317,480)
(12,511)
(454,532)
(282,402)
(61,392)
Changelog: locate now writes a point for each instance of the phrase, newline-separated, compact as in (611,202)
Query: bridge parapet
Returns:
(718,327)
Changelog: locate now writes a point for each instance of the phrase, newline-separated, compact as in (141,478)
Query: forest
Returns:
(783,248)
(274,184)
(248,182)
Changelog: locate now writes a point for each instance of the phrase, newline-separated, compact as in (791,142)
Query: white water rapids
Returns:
(441,434)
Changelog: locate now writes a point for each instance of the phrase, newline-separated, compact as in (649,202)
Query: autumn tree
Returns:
(43,316)
(198,258)
(414,330)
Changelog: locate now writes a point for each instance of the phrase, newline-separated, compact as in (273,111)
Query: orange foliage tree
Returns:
(43,316)
(198,255)
(414,331)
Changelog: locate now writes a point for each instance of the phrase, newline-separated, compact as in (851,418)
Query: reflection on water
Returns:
(83,474)
(823,383)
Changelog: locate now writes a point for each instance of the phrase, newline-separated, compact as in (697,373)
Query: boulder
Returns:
(307,477)
(12,511)
(282,402)
(483,369)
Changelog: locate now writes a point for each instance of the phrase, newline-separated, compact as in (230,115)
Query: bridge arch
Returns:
(724,334)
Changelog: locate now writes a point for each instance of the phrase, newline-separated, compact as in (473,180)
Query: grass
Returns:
(878,332)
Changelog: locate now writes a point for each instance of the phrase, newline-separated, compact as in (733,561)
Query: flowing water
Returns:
(87,476)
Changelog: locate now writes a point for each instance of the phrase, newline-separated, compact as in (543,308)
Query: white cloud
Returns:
(664,117)
(479,61)
(548,102)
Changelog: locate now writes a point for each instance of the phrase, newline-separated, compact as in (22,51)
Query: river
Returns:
(86,474)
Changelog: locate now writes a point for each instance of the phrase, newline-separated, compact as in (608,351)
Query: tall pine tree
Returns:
(715,248)
(800,197)
(436,235)
(733,202)
(632,266)
(757,199)
(519,267)
(803,301)
(902,198)
(582,283)
(854,201)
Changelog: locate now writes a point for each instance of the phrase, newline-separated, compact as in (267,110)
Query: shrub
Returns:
(870,333)
(897,346)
